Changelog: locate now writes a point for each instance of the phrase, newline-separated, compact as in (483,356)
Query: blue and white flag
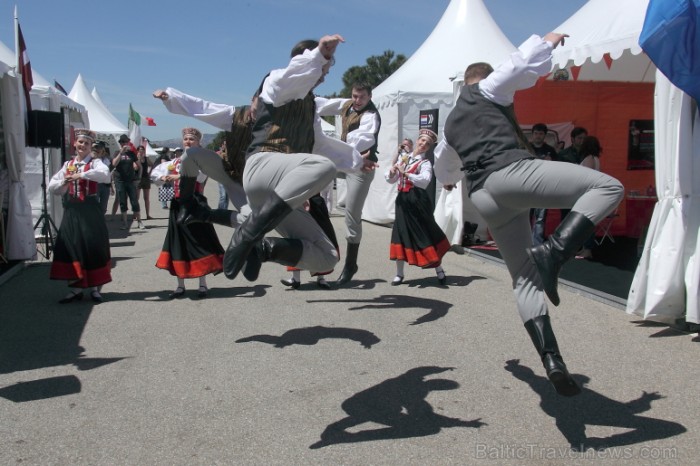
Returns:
(671,39)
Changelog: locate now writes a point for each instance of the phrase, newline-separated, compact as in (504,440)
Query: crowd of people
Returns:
(277,160)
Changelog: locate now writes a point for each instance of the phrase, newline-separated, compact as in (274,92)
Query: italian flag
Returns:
(136,118)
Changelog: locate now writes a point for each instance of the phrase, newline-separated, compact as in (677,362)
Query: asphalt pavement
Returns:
(259,373)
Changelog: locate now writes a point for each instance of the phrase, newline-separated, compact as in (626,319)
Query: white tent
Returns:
(466,33)
(7,56)
(101,120)
(665,285)
(603,42)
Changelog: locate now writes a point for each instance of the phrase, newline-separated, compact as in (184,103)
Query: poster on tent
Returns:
(428,119)
(640,153)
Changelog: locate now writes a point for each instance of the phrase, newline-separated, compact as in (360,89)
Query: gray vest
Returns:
(484,135)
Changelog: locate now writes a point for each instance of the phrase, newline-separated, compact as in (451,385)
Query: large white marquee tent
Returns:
(466,33)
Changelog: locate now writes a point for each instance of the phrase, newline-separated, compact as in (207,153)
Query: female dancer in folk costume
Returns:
(319,211)
(81,252)
(416,238)
(190,250)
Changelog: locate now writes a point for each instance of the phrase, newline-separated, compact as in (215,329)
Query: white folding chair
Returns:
(603,228)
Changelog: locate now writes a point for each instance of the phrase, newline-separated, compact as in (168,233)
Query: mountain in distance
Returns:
(177,142)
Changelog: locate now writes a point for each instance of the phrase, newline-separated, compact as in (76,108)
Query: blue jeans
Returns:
(223,197)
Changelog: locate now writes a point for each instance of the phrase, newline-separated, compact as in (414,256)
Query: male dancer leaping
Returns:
(483,139)
(283,169)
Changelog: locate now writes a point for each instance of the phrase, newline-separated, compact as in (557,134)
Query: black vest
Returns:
(288,129)
(484,135)
(351,121)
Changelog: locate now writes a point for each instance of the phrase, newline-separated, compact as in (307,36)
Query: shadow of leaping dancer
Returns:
(397,403)
(573,414)
(312,335)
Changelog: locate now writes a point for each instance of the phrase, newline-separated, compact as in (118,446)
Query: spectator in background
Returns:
(543,151)
(100,151)
(590,152)
(125,169)
(223,196)
(571,154)
(144,181)
(163,157)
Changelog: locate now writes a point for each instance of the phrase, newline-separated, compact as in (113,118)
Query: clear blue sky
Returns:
(221,49)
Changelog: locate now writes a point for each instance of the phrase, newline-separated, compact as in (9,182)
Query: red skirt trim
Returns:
(79,277)
(200,267)
(426,258)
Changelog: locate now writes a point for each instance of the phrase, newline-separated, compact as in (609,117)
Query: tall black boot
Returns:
(540,330)
(251,231)
(283,251)
(186,198)
(558,248)
(350,267)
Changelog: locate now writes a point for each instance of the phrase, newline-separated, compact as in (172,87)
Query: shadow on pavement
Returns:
(573,414)
(400,405)
(436,309)
(312,335)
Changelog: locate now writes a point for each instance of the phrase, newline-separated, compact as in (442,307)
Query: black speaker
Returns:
(45,129)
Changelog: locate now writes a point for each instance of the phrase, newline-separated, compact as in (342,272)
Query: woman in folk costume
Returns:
(190,250)
(81,252)
(416,238)
(316,206)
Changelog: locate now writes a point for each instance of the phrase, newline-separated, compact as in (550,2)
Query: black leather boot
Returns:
(251,231)
(558,248)
(220,217)
(542,335)
(280,250)
(186,198)
(350,267)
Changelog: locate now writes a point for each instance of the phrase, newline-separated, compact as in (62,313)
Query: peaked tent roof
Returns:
(101,121)
(8,57)
(465,34)
(95,95)
(604,42)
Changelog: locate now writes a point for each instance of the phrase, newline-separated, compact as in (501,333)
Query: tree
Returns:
(377,69)
(219,139)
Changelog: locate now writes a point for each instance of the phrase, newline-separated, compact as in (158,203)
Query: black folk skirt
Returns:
(415,237)
(81,252)
(190,251)
(319,211)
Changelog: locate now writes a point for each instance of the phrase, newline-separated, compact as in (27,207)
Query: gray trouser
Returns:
(294,178)
(196,159)
(357,189)
(505,201)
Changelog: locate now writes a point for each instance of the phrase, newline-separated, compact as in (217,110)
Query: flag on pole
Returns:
(24,67)
(671,38)
(59,87)
(136,117)
(134,125)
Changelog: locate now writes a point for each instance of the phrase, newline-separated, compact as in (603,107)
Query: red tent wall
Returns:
(605,110)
